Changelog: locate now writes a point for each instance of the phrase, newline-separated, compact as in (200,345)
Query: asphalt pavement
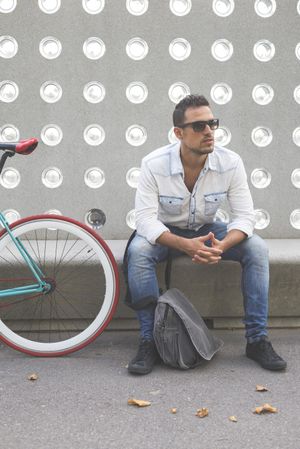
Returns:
(80,401)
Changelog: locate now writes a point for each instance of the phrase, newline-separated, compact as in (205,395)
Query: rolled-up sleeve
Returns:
(146,206)
(240,202)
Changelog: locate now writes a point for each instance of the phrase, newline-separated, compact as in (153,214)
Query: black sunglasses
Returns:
(200,125)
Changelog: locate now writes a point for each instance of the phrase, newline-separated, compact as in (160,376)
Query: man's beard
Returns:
(199,151)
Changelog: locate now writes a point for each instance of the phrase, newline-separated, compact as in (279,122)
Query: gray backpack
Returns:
(181,336)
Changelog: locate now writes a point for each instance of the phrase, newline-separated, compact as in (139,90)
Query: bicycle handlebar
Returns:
(24,147)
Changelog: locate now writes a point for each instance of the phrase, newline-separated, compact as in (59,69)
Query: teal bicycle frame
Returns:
(41,286)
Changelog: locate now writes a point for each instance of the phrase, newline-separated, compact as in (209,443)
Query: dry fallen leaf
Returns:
(266,408)
(138,402)
(173,410)
(202,412)
(233,418)
(261,388)
(32,376)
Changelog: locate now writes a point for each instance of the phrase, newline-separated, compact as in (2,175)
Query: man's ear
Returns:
(178,132)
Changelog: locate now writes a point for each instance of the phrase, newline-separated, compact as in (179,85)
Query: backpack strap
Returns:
(126,250)
(168,270)
(127,299)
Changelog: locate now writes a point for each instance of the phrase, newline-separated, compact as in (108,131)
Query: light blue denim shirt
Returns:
(162,197)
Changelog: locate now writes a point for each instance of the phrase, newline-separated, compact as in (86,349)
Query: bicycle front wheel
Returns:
(84,281)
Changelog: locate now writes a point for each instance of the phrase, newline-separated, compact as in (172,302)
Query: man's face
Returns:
(197,142)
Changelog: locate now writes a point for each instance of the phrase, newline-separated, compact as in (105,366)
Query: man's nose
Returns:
(208,130)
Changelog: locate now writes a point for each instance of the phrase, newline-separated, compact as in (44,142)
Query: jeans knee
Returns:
(140,250)
(257,248)
(137,249)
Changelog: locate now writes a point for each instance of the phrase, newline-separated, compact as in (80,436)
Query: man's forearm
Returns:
(172,241)
(232,238)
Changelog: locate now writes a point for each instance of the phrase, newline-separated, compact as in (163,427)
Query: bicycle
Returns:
(47,258)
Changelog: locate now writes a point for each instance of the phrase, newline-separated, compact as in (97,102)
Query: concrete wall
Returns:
(158,26)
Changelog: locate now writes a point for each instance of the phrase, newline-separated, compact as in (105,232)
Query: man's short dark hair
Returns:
(190,101)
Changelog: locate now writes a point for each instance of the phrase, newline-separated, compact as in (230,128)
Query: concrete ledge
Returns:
(215,290)
(281,250)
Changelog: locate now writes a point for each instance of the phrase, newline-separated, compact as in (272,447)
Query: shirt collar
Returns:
(211,161)
(175,160)
(176,164)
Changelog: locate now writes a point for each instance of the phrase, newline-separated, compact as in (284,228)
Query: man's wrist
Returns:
(183,244)
(222,246)
(231,239)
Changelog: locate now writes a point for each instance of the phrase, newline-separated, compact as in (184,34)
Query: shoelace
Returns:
(144,348)
(267,346)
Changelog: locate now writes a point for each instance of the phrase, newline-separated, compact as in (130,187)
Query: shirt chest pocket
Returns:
(171,204)
(213,202)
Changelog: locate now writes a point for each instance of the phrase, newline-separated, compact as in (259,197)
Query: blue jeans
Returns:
(251,253)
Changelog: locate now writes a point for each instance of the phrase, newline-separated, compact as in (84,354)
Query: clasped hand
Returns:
(202,254)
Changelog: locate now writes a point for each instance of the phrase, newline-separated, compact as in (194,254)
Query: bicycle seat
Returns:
(23,147)
(26,146)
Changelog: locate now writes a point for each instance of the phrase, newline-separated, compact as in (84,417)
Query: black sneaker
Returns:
(263,353)
(145,359)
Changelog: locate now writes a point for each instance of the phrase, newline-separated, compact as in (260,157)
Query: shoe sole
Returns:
(270,368)
(132,370)
(277,368)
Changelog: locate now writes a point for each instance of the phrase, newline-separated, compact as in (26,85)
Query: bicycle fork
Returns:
(42,286)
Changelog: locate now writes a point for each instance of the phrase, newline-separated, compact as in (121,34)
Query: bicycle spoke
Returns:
(37,257)
(31,321)
(58,305)
(50,327)
(7,261)
(62,257)
(70,303)
(56,244)
(78,268)
(19,301)
(45,241)
(14,256)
